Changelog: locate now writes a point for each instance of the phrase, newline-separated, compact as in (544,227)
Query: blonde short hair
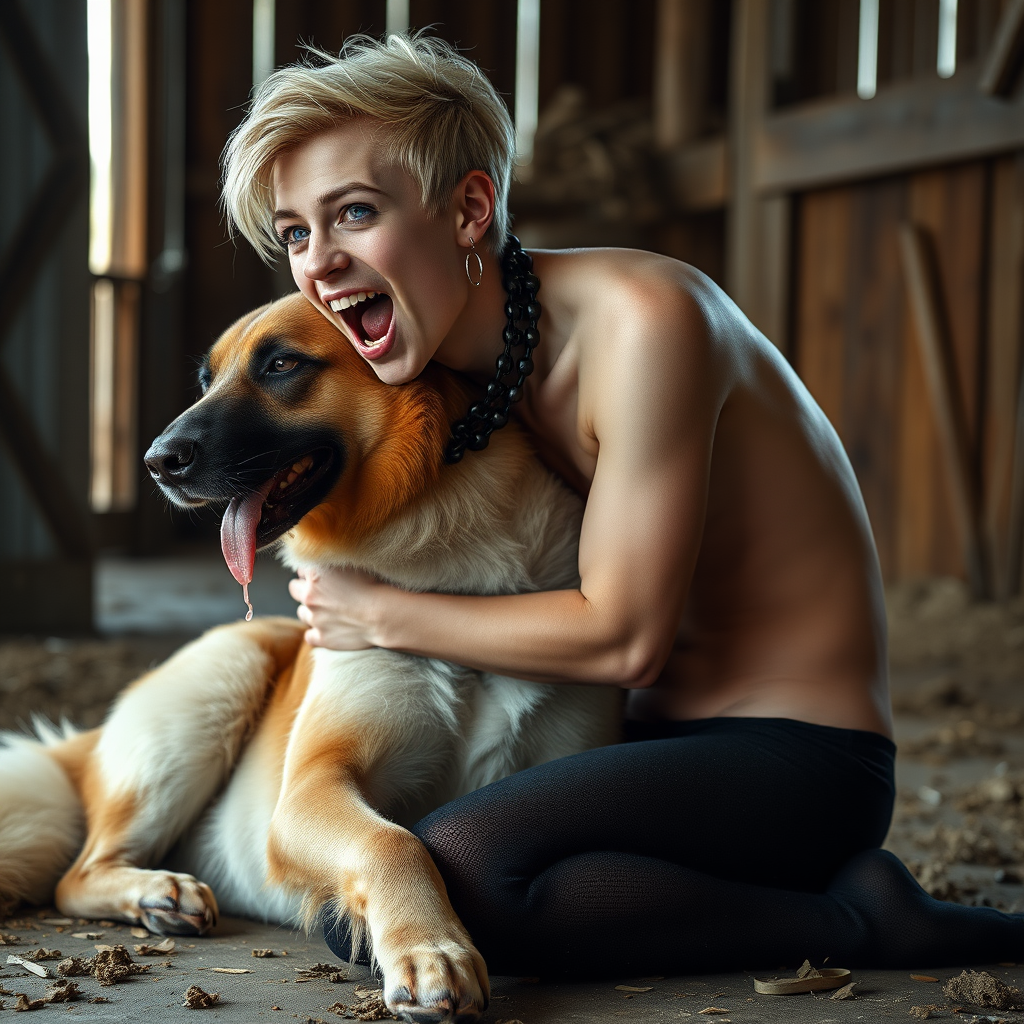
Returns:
(441,115)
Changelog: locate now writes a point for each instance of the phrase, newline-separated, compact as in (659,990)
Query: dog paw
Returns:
(435,983)
(177,905)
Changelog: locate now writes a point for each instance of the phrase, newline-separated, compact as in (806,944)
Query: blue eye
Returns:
(293,235)
(357,212)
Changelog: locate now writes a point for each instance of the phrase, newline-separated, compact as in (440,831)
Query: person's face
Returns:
(354,225)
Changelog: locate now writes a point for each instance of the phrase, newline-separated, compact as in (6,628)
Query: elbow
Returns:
(637,664)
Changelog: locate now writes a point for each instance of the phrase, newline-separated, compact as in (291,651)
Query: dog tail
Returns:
(42,823)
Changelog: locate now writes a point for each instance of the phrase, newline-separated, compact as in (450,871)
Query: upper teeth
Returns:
(297,470)
(337,305)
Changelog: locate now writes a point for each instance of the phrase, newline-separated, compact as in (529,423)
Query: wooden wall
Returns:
(855,345)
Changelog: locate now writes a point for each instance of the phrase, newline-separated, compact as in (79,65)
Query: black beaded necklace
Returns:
(474,430)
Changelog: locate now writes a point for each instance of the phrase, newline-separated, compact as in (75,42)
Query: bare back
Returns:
(717,487)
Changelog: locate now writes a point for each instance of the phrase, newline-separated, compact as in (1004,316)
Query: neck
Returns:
(474,341)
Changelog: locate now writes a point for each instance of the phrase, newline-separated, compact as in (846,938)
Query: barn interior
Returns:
(851,172)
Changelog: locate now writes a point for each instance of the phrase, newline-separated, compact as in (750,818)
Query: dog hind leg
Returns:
(167,747)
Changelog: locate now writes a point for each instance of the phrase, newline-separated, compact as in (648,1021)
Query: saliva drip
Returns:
(245,597)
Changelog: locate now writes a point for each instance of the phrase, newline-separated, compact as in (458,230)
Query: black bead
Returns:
(531,283)
(510,335)
(453,453)
(532,311)
(495,389)
(525,366)
(503,364)
(499,418)
(478,442)
(515,393)
(531,336)
(513,311)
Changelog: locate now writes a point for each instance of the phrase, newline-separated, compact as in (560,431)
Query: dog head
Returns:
(296,433)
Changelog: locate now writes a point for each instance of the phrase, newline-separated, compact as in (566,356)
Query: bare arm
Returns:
(651,399)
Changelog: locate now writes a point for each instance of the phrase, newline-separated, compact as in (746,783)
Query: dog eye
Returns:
(282,364)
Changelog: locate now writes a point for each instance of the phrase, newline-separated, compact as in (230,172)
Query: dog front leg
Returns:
(328,841)
(165,750)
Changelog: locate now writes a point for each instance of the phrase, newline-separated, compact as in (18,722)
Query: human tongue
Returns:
(238,535)
(377,318)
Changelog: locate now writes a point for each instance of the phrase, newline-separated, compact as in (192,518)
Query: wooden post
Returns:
(924,292)
(1004,56)
(758,227)
(680,71)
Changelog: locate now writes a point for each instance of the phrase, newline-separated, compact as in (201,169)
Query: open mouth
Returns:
(370,317)
(260,518)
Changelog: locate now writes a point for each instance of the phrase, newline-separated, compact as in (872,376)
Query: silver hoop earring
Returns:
(479,265)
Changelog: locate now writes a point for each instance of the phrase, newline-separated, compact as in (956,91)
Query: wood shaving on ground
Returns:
(979,988)
(924,1012)
(9,940)
(922,977)
(713,1009)
(20,961)
(263,952)
(335,973)
(370,1006)
(114,965)
(56,921)
(157,949)
(139,933)
(229,970)
(197,999)
(807,971)
(634,988)
(846,992)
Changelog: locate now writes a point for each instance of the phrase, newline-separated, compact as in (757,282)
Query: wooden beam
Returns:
(680,71)
(1004,56)
(757,228)
(928,310)
(906,126)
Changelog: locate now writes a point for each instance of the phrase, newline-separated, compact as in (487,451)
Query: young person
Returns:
(729,579)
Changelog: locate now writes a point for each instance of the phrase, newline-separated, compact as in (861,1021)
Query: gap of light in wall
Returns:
(396,17)
(263,25)
(945,62)
(100,33)
(527,77)
(867,50)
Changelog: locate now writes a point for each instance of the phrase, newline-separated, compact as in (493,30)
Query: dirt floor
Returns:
(958,684)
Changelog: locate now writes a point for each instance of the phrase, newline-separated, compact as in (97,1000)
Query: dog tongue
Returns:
(238,535)
(377,318)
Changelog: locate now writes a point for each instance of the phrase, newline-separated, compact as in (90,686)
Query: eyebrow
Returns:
(330,197)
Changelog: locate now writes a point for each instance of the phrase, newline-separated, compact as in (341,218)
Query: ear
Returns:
(473,207)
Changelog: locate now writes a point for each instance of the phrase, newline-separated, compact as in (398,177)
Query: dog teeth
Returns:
(297,470)
(337,305)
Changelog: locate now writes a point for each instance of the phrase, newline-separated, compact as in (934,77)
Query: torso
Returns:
(784,615)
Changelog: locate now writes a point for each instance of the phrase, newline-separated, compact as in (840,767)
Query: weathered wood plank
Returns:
(905,127)
(937,360)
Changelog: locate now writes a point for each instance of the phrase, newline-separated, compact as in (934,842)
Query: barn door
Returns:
(45,547)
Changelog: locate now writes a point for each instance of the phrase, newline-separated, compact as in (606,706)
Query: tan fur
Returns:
(283,775)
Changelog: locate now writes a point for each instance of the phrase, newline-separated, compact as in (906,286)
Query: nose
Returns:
(169,458)
(323,257)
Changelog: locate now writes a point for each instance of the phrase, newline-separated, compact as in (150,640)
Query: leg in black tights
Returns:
(740,842)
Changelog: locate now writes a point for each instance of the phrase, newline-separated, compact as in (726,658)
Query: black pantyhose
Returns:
(737,843)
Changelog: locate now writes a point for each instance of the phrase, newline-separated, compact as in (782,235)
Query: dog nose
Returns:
(169,458)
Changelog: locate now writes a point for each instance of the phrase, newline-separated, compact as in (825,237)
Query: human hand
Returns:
(336,605)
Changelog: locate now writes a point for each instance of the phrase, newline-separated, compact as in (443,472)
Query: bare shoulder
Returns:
(644,325)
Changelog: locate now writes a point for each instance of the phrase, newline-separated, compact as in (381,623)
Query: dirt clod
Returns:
(369,1006)
(335,973)
(197,999)
(77,966)
(62,992)
(43,954)
(23,1003)
(115,965)
(979,988)
(263,952)
(923,1012)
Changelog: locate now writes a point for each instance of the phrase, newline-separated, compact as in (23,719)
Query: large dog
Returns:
(281,775)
